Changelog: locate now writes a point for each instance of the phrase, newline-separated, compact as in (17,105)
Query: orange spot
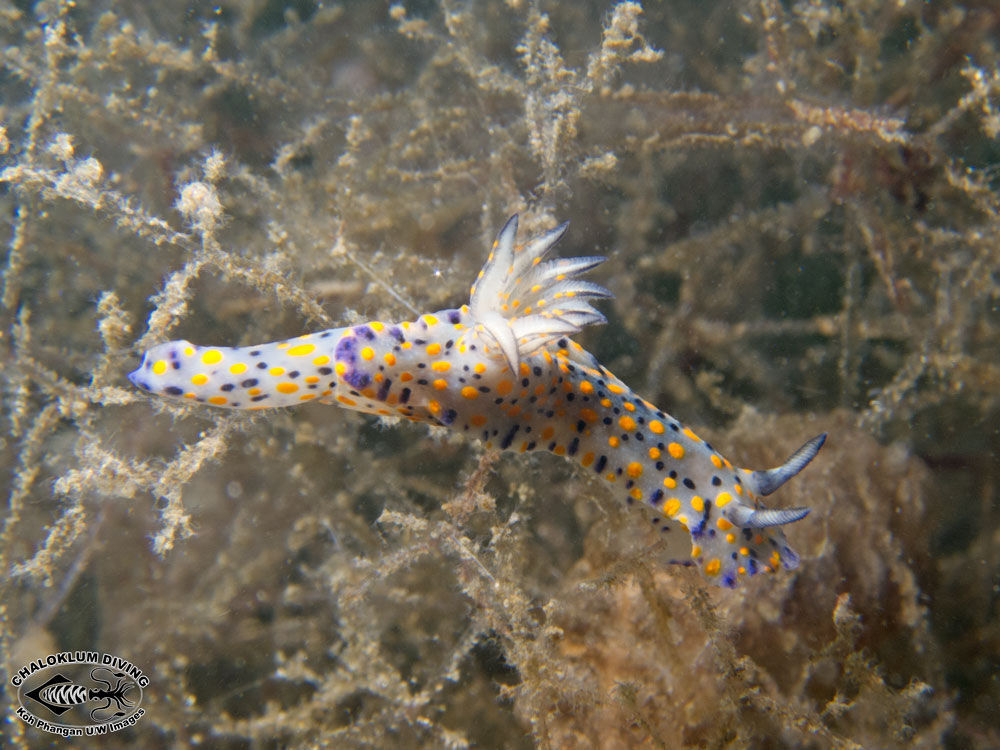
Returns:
(669,482)
(321,360)
(199,379)
(691,435)
(345,400)
(724,524)
(613,441)
(614,388)
(676,450)
(712,567)
(656,426)
(301,350)
(628,406)
(367,353)
(626,422)
(586,387)
(160,367)
(672,506)
(587,460)
(434,349)
(634,470)
(237,369)
(390,358)
(654,453)
(716,461)
(470,393)
(255,391)
(217,400)
(559,450)
(478,420)
(588,415)
(480,368)
(406,377)
(309,396)
(286,387)
(276,371)
(440,384)
(636,493)
(724,498)
(434,407)
(314,379)
(697,503)
(504,387)
(340,368)
(211,357)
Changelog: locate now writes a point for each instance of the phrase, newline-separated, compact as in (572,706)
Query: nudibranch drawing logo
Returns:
(80,693)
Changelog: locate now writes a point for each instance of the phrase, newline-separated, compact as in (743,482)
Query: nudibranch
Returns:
(503,369)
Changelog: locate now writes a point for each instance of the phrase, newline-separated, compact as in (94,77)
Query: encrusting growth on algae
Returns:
(502,369)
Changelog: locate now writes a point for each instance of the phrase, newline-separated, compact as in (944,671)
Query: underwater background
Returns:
(799,201)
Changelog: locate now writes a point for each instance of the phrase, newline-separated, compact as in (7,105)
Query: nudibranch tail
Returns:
(283,373)
(503,370)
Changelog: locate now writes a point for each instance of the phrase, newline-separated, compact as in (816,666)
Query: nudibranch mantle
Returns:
(504,370)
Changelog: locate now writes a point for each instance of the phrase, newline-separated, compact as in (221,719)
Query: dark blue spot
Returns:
(383,391)
(509,437)
(357,379)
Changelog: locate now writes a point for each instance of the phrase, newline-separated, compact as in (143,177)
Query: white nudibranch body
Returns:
(504,370)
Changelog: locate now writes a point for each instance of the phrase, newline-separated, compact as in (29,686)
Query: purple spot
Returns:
(396,333)
(345,350)
(454,317)
(365,332)
(383,390)
(357,379)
